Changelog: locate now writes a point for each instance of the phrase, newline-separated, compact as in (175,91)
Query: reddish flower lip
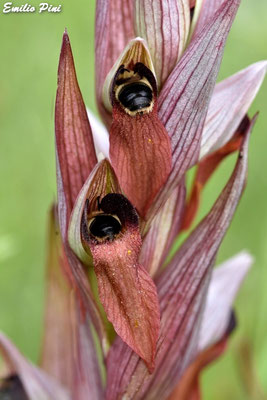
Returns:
(140,149)
(126,290)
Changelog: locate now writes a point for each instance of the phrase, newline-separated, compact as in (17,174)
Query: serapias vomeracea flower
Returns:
(124,320)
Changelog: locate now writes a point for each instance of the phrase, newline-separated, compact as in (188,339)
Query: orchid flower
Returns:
(124,319)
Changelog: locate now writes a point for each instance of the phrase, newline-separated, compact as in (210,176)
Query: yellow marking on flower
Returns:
(149,140)
(136,324)
(129,252)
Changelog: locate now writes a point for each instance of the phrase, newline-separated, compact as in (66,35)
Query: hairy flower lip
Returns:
(140,154)
(126,290)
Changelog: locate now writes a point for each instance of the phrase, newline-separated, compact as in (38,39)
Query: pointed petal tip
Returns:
(65,39)
(75,150)
(254,118)
(246,258)
(259,65)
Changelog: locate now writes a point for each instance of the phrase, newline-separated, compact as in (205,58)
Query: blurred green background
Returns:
(29,49)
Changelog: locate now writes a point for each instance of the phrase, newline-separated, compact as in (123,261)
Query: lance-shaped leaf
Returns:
(106,227)
(74,143)
(206,168)
(184,99)
(182,291)
(29,379)
(75,156)
(225,283)
(165,27)
(113,30)
(162,231)
(140,149)
(230,102)
(69,345)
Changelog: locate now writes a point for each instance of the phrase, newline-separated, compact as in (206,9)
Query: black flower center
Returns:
(104,226)
(135,96)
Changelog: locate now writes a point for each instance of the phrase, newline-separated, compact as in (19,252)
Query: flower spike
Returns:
(127,315)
